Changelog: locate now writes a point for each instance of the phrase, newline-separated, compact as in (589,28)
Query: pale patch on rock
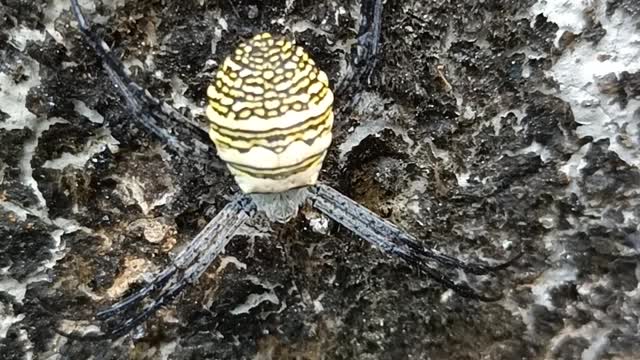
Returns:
(133,271)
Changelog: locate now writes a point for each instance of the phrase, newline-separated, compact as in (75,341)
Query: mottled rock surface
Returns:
(488,127)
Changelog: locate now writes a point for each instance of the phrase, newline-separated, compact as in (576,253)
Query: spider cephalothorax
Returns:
(271,115)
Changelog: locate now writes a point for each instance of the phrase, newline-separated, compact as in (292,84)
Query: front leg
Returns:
(154,115)
(392,240)
(369,37)
(185,269)
(364,56)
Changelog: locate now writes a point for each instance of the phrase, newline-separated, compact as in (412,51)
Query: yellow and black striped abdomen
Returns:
(270,112)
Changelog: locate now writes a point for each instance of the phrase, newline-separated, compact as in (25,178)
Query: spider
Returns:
(270,111)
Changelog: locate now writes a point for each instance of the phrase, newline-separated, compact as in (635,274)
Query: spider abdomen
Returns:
(271,115)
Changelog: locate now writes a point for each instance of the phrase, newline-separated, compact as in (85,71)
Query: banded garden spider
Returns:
(270,112)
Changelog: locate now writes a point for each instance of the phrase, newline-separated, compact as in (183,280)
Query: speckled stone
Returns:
(475,133)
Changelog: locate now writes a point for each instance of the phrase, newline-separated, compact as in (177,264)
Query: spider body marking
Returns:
(270,113)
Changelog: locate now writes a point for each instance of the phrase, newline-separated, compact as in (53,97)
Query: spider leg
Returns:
(164,298)
(369,36)
(364,56)
(155,115)
(132,322)
(157,283)
(185,270)
(188,277)
(213,235)
(394,241)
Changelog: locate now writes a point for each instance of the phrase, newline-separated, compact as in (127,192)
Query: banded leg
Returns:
(364,56)
(187,266)
(369,37)
(156,116)
(186,269)
(394,241)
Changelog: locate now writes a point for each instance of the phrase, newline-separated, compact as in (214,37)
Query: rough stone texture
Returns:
(489,126)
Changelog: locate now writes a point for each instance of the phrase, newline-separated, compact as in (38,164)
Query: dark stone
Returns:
(481,147)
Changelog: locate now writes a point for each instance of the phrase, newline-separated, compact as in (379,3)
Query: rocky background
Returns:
(487,127)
